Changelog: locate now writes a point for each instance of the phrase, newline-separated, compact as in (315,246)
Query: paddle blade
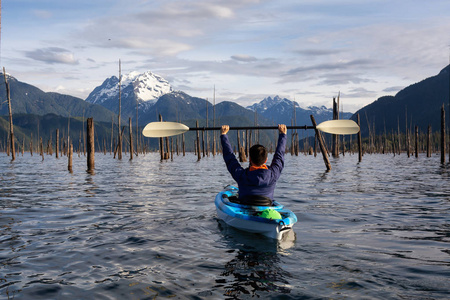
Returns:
(163,129)
(339,127)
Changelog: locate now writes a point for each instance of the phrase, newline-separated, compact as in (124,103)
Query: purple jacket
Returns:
(259,182)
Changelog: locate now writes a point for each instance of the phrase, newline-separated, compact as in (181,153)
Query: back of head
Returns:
(258,155)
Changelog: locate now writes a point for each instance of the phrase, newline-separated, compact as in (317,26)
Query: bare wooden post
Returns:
(171,149)
(207,133)
(292,139)
(393,144)
(335,137)
(184,145)
(11,128)
(360,154)
(203,143)
(63,145)
(214,122)
(321,144)
(242,156)
(167,154)
(417,141)
(57,143)
(239,145)
(42,149)
(50,147)
(90,145)
(429,141)
(315,146)
(161,143)
(443,143)
(198,144)
(408,143)
(161,148)
(113,142)
(69,167)
(137,128)
(119,154)
(247,143)
(399,142)
(131,141)
(31,145)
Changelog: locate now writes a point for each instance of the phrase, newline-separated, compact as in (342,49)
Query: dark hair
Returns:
(258,155)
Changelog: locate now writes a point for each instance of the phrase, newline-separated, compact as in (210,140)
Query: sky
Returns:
(236,50)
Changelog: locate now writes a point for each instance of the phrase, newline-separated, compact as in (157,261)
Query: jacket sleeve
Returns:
(233,165)
(277,164)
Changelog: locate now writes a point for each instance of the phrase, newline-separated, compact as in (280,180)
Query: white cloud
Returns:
(313,49)
(243,58)
(52,55)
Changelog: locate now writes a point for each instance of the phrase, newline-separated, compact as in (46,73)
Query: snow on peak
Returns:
(147,87)
(270,102)
(320,110)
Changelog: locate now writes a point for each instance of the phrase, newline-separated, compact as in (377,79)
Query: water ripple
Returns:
(146,229)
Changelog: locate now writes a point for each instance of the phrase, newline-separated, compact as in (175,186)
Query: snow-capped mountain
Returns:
(322,110)
(136,88)
(269,103)
(146,87)
(281,110)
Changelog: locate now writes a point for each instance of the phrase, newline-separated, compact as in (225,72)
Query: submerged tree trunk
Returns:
(90,145)
(11,128)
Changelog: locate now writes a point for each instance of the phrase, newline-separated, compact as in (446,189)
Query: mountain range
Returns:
(418,104)
(147,95)
(28,99)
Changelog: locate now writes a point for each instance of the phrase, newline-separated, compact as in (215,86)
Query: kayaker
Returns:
(257,182)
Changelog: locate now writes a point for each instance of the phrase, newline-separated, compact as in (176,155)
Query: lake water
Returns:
(143,229)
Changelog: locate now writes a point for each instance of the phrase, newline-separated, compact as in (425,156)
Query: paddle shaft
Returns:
(250,128)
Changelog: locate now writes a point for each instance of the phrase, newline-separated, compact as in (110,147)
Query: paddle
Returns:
(164,129)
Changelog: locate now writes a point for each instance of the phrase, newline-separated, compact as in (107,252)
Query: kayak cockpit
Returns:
(250,217)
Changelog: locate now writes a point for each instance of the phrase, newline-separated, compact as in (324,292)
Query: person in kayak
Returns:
(257,182)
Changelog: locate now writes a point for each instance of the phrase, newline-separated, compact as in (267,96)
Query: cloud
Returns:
(167,28)
(317,52)
(156,47)
(359,93)
(358,63)
(243,58)
(245,47)
(343,78)
(52,55)
(186,11)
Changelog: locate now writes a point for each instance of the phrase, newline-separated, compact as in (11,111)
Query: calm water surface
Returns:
(379,229)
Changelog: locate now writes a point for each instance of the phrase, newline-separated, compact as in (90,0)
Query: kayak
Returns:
(249,218)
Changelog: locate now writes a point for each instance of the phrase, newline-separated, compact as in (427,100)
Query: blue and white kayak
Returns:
(247,217)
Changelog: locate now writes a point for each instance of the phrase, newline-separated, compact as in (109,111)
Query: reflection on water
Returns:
(145,229)
(252,272)
(255,270)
